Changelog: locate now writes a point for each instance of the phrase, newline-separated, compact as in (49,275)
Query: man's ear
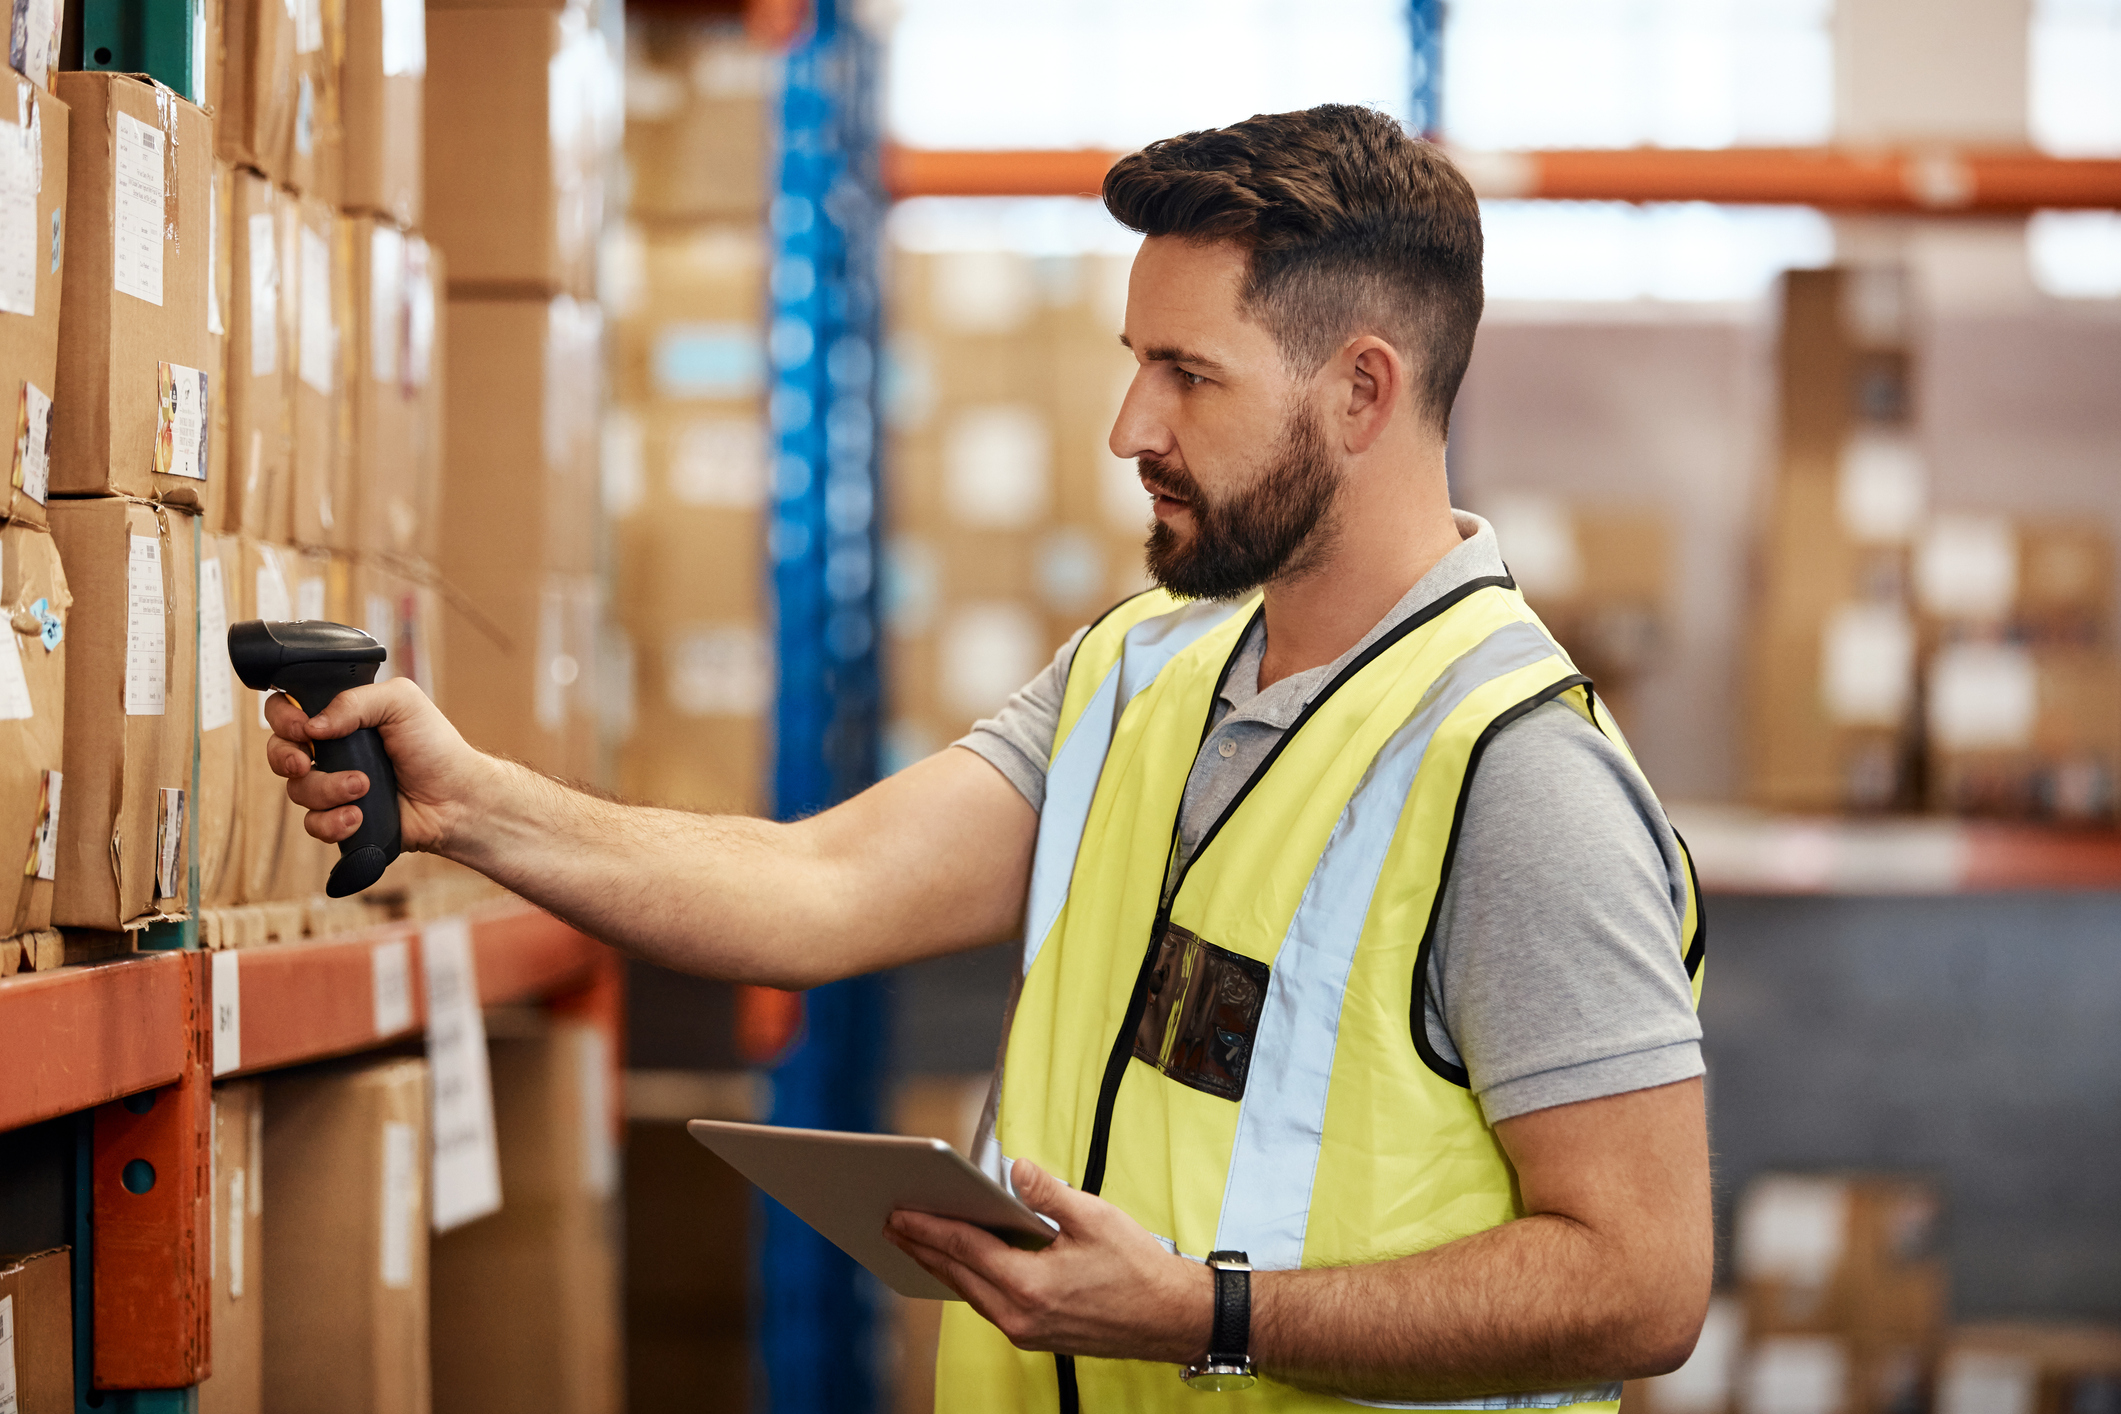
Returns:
(1376,380)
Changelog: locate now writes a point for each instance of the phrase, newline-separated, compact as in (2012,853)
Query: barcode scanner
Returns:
(313,662)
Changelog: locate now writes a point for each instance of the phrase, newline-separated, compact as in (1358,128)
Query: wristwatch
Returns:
(1228,1363)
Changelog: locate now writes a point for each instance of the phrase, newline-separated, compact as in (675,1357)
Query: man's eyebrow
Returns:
(1170,353)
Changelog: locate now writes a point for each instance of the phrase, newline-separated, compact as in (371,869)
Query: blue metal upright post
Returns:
(816,1316)
(1425,32)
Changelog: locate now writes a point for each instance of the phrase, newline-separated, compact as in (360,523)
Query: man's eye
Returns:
(1193,380)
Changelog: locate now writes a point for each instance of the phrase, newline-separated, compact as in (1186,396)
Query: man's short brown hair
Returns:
(1352,226)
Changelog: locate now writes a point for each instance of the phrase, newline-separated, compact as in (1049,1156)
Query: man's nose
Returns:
(1138,431)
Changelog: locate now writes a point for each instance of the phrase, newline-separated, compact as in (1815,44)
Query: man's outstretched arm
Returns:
(1606,1277)
(933,860)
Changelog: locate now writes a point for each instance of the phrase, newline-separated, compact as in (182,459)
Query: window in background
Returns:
(1601,250)
(2076,254)
(2074,79)
(1621,73)
(1121,73)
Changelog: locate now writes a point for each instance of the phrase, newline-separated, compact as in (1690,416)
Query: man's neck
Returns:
(1391,530)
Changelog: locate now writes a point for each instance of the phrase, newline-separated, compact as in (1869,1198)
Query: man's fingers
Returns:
(324,790)
(331,826)
(959,1241)
(984,1296)
(287,759)
(1041,1192)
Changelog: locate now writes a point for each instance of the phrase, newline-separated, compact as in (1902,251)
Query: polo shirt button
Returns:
(1227,750)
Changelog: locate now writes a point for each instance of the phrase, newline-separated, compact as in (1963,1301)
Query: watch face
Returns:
(1220,1379)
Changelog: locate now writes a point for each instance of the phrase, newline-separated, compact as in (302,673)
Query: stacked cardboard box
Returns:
(37,1330)
(1012,524)
(519,539)
(1905,653)
(687,445)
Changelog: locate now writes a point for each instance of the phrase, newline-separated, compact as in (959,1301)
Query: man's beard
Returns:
(1277,526)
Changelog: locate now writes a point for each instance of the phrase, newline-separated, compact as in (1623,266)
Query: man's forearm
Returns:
(1535,1304)
(737,898)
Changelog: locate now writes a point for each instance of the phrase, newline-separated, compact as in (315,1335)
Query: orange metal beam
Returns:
(79,1036)
(1934,181)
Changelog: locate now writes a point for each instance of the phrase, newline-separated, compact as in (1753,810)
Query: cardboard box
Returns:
(316,147)
(37,1318)
(690,307)
(220,272)
(383,83)
(29,309)
(130,414)
(264,589)
(396,501)
(322,588)
(526,1302)
(345,1239)
(262,349)
(237,1385)
(222,738)
(2025,731)
(130,661)
(33,595)
(521,492)
(1853,1255)
(323,289)
(2040,582)
(522,120)
(2039,1368)
(404,614)
(426,362)
(254,124)
(1826,1374)
(699,99)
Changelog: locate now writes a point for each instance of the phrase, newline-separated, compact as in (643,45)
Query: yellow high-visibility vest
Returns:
(1248,1067)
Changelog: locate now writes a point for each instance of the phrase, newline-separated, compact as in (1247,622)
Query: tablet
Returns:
(846,1185)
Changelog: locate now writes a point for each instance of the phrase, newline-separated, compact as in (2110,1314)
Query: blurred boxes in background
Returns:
(390,374)
(2030,1368)
(37,1322)
(129,694)
(345,1239)
(523,121)
(698,114)
(262,343)
(315,153)
(221,735)
(322,269)
(254,118)
(35,611)
(382,83)
(29,307)
(525,1304)
(129,415)
(1012,524)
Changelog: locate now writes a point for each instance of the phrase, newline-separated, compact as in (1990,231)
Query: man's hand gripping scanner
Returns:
(313,662)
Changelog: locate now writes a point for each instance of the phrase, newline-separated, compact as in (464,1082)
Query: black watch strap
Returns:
(1230,1335)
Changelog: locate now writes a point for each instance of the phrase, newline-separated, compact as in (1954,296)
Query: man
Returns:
(1353,939)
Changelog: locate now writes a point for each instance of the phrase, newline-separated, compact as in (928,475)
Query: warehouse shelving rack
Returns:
(128,1046)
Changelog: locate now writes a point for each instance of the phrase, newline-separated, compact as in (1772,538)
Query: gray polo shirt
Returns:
(1556,974)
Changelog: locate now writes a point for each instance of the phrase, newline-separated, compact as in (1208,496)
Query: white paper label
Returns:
(48,826)
(1983,696)
(309,26)
(18,220)
(392,978)
(228,1012)
(180,431)
(1793,1229)
(257,1159)
(316,352)
(35,50)
(401,1202)
(1987,1382)
(404,37)
(600,1155)
(169,841)
(213,247)
(386,297)
(309,598)
(136,256)
(15,705)
(237,1199)
(146,633)
(264,296)
(217,675)
(305,112)
(33,443)
(467,1169)
(1867,667)
(1967,567)
(8,1404)
(419,315)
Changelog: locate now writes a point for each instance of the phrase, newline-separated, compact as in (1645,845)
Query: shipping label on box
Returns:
(33,592)
(33,177)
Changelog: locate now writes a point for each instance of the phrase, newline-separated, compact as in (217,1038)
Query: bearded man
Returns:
(1354,1050)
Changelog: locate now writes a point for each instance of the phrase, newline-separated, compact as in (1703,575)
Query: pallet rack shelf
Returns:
(1742,851)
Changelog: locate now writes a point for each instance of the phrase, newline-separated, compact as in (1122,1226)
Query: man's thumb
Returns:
(1041,1192)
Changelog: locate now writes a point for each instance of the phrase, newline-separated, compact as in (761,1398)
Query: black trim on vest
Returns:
(1456,1074)
(1699,948)
(1071,1402)
(1138,999)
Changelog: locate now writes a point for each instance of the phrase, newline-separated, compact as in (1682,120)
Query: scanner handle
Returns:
(369,850)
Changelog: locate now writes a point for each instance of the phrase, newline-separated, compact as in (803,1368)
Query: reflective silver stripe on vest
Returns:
(1552,1399)
(1071,782)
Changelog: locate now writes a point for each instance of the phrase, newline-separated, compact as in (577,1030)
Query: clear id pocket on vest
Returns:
(1202,1013)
